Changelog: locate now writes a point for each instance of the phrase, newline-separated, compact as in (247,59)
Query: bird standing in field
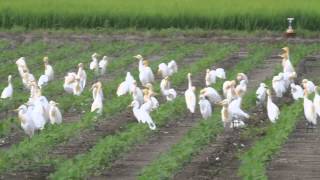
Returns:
(308,86)
(167,69)
(48,73)
(137,93)
(211,94)
(146,75)
(142,115)
(296,91)
(140,58)
(278,85)
(22,66)
(94,64)
(48,70)
(220,72)
(272,109)
(286,63)
(27,124)
(125,86)
(97,94)
(82,75)
(103,63)
(7,91)
(69,82)
(261,94)
(316,101)
(165,86)
(190,96)
(54,113)
(309,111)
(205,107)
(211,77)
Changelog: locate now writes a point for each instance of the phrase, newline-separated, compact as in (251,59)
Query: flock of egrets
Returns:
(35,113)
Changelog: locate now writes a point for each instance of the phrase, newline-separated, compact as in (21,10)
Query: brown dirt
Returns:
(218,160)
(141,155)
(145,37)
(299,157)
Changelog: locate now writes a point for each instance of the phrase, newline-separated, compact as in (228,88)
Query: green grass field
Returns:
(152,14)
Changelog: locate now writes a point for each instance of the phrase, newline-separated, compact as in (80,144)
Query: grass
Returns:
(219,14)
(253,161)
(110,147)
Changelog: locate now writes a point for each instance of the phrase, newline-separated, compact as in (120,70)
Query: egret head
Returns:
(46,60)
(80,65)
(138,56)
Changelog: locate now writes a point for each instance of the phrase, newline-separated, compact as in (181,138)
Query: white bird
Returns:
(261,93)
(316,101)
(94,64)
(278,85)
(235,109)
(140,58)
(169,93)
(210,77)
(38,114)
(54,113)
(309,110)
(146,75)
(97,104)
(8,91)
(288,78)
(242,76)
(296,91)
(308,85)
(167,69)
(149,96)
(43,81)
(125,86)
(27,124)
(27,78)
(190,96)
(232,112)
(103,63)
(286,63)
(221,73)
(82,75)
(225,116)
(229,89)
(211,94)
(48,70)
(241,88)
(137,93)
(69,82)
(141,115)
(272,109)
(77,88)
(22,66)
(205,107)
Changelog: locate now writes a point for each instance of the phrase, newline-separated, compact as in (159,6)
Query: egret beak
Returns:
(159,72)
(16,110)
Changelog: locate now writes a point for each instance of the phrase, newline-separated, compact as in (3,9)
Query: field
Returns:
(113,145)
(152,14)
(243,36)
